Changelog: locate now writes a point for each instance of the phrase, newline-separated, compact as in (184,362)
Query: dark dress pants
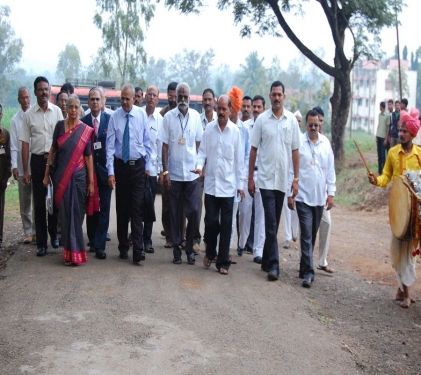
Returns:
(309,217)
(147,229)
(272,204)
(39,192)
(381,154)
(97,224)
(218,221)
(197,236)
(129,195)
(184,199)
(166,212)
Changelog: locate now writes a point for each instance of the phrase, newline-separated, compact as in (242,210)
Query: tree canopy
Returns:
(10,50)
(69,64)
(122,23)
(358,20)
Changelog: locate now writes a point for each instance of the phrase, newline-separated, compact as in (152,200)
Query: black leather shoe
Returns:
(307,282)
(249,250)
(124,255)
(100,254)
(177,260)
(240,251)
(257,260)
(41,251)
(273,275)
(149,249)
(190,258)
(138,256)
(55,243)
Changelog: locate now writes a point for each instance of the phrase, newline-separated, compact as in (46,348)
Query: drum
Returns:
(403,209)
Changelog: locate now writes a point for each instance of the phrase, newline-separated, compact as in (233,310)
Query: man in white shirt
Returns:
(154,122)
(25,190)
(316,190)
(208,115)
(36,136)
(181,136)
(276,135)
(223,153)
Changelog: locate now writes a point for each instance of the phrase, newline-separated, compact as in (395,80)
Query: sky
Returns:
(46,26)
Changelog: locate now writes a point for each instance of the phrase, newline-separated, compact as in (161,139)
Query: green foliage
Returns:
(69,64)
(10,51)
(253,76)
(394,79)
(8,113)
(122,23)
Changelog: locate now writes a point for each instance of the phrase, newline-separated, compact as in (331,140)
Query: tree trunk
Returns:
(341,103)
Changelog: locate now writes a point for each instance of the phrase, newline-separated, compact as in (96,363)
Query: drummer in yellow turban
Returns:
(401,158)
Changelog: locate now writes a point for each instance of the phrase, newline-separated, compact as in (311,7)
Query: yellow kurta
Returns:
(397,163)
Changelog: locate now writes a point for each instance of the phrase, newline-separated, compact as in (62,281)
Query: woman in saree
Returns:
(73,179)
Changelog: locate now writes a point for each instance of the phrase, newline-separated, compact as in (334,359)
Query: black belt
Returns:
(45,156)
(130,162)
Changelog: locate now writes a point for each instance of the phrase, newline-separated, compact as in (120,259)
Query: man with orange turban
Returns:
(401,158)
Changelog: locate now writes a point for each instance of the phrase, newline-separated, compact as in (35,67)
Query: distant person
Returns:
(381,136)
(251,214)
(36,136)
(223,153)
(154,122)
(128,162)
(289,217)
(316,191)
(25,190)
(274,137)
(390,108)
(404,104)
(246,109)
(181,136)
(61,100)
(138,96)
(5,169)
(71,157)
(68,88)
(401,158)
(97,223)
(393,134)
(165,196)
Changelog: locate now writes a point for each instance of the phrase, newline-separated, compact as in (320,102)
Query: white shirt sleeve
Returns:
(14,143)
(110,145)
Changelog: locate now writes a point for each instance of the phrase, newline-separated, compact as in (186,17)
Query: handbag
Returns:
(148,207)
(49,199)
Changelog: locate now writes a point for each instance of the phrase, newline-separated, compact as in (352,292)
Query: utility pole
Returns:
(399,50)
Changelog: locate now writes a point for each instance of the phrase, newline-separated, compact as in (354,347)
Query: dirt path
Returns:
(110,317)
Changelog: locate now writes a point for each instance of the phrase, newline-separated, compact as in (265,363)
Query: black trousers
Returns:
(272,205)
(129,199)
(97,224)
(39,192)
(147,229)
(166,212)
(218,221)
(184,198)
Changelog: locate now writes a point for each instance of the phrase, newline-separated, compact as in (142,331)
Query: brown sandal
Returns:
(326,269)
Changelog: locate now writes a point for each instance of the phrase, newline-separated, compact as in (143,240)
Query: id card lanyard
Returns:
(182,140)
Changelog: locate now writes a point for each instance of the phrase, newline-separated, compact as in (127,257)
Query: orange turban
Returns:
(236,97)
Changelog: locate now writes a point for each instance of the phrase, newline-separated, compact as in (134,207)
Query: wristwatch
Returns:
(165,173)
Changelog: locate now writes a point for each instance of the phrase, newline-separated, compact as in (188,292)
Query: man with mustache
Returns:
(37,130)
(181,136)
(316,189)
(276,135)
(221,148)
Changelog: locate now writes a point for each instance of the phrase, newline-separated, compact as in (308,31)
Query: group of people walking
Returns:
(239,159)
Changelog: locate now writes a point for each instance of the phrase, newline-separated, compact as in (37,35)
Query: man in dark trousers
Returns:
(128,160)
(97,224)
(36,136)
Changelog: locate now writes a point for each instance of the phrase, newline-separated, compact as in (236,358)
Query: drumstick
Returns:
(362,157)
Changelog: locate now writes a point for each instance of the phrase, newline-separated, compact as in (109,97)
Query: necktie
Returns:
(96,126)
(125,152)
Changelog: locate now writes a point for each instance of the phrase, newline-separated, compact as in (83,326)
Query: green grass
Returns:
(11,210)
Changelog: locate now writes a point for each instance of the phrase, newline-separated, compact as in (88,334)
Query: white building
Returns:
(374,82)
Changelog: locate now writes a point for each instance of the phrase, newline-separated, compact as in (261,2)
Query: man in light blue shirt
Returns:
(128,162)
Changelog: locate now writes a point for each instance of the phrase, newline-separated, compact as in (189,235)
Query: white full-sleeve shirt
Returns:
(317,171)
(15,143)
(275,139)
(223,153)
(154,122)
(181,133)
